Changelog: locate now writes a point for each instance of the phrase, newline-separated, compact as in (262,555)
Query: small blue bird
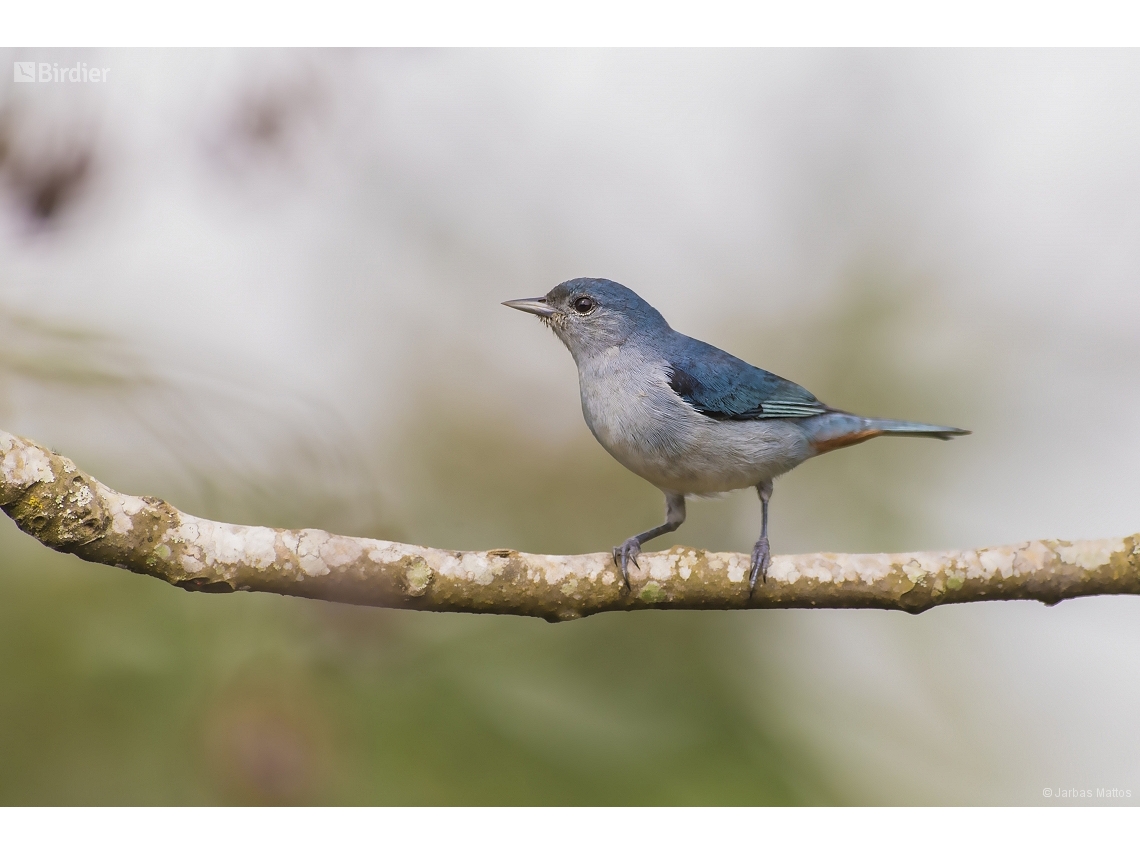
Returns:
(686,416)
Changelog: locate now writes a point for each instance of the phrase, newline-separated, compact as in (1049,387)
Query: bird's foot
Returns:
(626,553)
(761,559)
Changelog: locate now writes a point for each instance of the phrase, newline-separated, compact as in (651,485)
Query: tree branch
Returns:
(68,510)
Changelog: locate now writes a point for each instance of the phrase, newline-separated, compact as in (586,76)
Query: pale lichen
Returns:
(738,567)
(309,544)
(417,577)
(59,505)
(662,571)
(122,508)
(651,593)
(1031,558)
(23,464)
(997,561)
(1090,554)
(340,551)
(468,566)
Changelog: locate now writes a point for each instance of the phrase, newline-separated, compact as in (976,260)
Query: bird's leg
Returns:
(761,556)
(628,551)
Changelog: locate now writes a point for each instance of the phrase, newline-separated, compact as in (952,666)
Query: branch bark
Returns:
(64,508)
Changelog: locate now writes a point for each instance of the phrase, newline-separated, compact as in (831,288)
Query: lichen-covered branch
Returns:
(68,510)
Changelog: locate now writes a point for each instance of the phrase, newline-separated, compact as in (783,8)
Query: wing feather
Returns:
(723,387)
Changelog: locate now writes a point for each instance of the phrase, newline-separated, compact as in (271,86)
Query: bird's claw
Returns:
(761,560)
(624,554)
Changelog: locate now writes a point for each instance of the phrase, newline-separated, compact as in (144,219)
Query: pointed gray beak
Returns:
(534,305)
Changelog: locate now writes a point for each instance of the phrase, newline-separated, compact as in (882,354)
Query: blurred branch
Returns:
(68,510)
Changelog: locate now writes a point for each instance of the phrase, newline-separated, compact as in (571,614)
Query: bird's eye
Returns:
(584,305)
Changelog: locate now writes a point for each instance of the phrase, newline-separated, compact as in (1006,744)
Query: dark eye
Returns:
(584,305)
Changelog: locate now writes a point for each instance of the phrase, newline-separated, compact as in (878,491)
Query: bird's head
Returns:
(591,315)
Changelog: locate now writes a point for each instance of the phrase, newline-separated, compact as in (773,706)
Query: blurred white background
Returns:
(266,284)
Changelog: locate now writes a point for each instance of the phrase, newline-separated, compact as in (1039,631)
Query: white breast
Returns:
(640,420)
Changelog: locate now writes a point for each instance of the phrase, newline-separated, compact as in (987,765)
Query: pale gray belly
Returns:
(654,434)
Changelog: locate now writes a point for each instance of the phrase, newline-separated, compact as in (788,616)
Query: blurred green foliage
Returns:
(122,690)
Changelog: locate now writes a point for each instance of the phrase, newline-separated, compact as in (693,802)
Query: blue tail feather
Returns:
(897,428)
(839,430)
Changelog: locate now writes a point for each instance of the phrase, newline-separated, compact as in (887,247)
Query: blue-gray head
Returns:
(590,315)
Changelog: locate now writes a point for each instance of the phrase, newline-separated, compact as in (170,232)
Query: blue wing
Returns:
(723,387)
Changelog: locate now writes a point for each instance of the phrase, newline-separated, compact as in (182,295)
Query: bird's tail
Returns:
(897,428)
(839,430)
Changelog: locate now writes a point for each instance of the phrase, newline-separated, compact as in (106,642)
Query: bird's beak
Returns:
(534,305)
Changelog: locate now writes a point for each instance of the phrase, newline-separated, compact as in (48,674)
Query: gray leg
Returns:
(628,551)
(761,557)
